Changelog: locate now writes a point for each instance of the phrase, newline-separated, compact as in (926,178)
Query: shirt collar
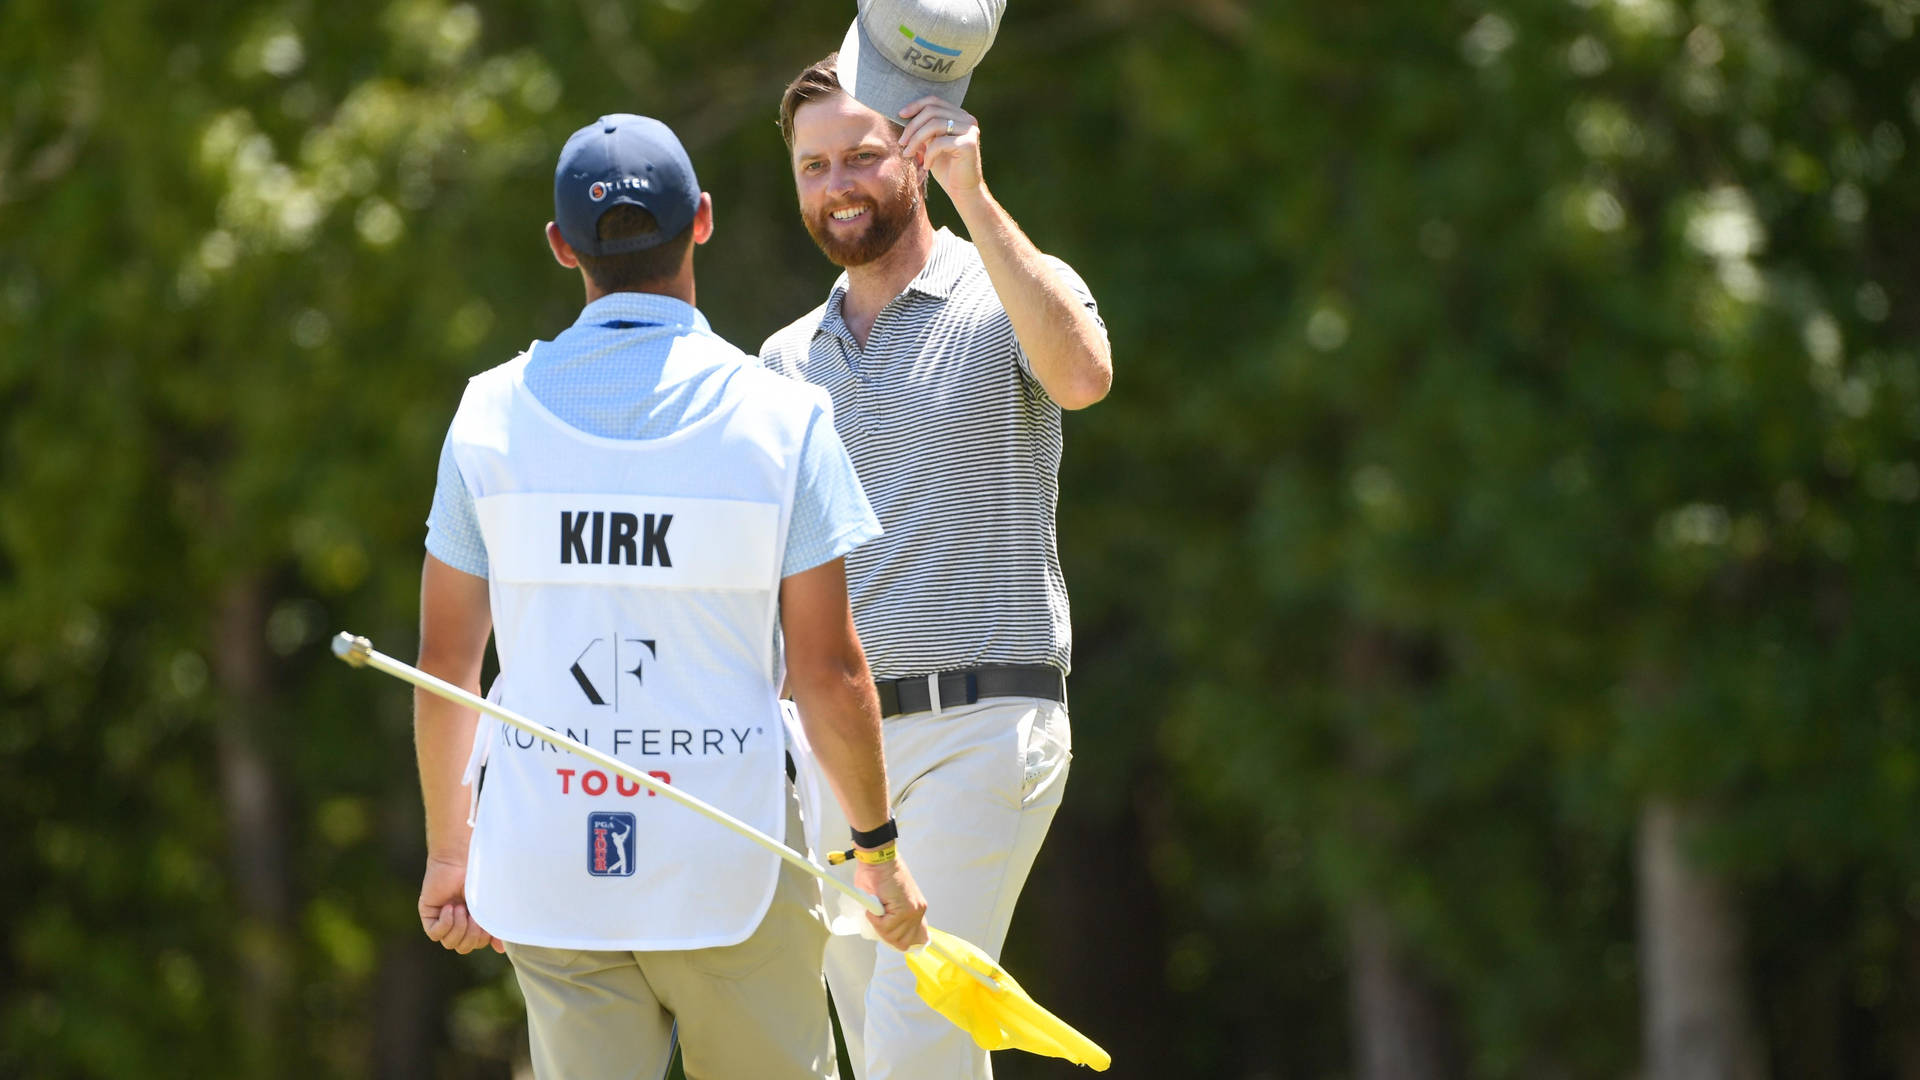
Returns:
(944,263)
(936,279)
(642,307)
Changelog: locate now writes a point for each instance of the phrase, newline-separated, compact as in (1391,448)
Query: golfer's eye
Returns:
(812,167)
(865,155)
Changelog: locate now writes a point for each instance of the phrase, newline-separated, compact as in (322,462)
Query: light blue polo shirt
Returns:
(641,366)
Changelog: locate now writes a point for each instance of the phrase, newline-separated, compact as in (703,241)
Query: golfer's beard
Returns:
(885,222)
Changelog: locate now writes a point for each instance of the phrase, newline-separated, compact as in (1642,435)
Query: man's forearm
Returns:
(443,740)
(841,713)
(1062,340)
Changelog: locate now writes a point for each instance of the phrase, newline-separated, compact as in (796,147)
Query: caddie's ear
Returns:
(703,220)
(563,253)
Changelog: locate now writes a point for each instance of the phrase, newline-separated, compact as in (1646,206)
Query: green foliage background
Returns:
(1516,420)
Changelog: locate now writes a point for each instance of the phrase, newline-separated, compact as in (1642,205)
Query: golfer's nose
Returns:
(839,180)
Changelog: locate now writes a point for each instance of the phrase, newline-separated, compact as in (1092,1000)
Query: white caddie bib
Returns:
(634,587)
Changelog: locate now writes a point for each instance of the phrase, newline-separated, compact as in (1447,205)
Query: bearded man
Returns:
(949,364)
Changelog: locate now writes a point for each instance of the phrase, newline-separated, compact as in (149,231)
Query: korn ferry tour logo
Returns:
(611,676)
(599,669)
(610,843)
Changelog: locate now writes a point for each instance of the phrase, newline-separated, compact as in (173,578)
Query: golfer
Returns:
(636,510)
(948,363)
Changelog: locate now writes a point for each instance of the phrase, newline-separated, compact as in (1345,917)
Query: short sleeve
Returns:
(777,359)
(831,515)
(453,526)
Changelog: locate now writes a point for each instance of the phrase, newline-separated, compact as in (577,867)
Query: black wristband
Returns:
(885,834)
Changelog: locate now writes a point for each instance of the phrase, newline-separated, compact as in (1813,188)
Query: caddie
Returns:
(636,510)
(949,363)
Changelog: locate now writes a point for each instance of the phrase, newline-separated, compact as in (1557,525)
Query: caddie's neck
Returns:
(872,286)
(680,287)
(677,284)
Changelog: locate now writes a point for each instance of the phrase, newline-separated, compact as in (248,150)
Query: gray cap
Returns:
(898,51)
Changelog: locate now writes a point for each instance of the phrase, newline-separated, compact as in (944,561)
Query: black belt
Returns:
(901,696)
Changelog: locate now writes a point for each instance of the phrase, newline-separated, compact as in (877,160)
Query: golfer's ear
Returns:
(562,252)
(703,220)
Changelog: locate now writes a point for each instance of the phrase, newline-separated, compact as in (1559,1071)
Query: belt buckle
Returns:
(968,685)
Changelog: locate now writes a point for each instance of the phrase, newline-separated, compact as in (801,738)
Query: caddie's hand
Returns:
(904,924)
(946,140)
(443,909)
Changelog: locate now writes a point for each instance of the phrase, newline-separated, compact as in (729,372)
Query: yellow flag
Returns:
(963,985)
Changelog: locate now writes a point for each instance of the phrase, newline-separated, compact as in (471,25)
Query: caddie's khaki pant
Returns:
(975,789)
(753,1010)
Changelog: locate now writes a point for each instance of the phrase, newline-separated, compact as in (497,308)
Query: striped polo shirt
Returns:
(958,448)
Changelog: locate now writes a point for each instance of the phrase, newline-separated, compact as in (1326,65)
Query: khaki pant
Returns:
(975,788)
(739,1012)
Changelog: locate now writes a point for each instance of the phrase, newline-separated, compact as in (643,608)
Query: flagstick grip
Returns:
(359,652)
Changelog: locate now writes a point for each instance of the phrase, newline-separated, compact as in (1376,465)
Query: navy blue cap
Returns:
(623,159)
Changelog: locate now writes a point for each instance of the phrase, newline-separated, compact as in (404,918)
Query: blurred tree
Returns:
(1528,495)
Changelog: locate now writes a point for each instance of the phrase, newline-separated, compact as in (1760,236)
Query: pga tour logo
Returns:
(600,189)
(610,843)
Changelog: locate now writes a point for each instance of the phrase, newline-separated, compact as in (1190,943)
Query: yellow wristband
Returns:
(884,853)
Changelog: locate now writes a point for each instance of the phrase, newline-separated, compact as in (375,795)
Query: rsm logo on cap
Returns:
(899,51)
(920,53)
